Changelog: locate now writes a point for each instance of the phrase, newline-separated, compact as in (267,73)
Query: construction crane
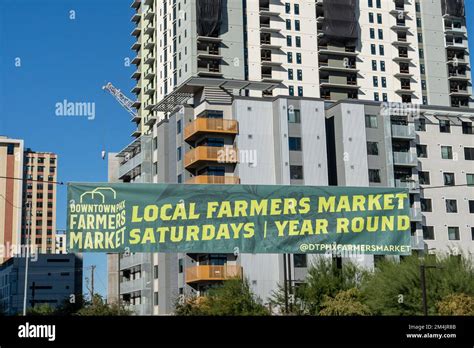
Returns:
(122,99)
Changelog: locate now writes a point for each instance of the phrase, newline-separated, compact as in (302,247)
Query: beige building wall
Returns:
(11,166)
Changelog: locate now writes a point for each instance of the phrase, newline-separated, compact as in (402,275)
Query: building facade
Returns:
(52,279)
(348,93)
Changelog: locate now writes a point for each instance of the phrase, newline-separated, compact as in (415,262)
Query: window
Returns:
(467,128)
(294,115)
(469,153)
(298,58)
(451,206)
(382,65)
(470,179)
(373,49)
(381,50)
(420,37)
(289,57)
(374,175)
(294,143)
(380,31)
(453,233)
(371,121)
(180,266)
(384,82)
(422,69)
(178,153)
(420,125)
(384,97)
(472,233)
(300,91)
(179,178)
(297,25)
(155,298)
(288,24)
(446,152)
(300,260)
(379,4)
(424,100)
(444,126)
(379,18)
(426,205)
(299,75)
(428,232)
(372,33)
(290,74)
(371,17)
(10,149)
(291,90)
(421,53)
(297,9)
(178,127)
(287,7)
(448,179)
(376,96)
(375,81)
(371,3)
(298,41)
(296,172)
(422,151)
(155,271)
(424,178)
(372,148)
(471,206)
(374,65)
(288,40)
(423,85)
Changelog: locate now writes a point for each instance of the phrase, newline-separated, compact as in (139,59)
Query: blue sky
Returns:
(61,58)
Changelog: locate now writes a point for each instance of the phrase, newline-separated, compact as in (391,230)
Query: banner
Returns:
(237,218)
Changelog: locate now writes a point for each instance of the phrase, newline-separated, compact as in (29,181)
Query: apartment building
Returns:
(39,191)
(52,279)
(11,193)
(60,242)
(303,102)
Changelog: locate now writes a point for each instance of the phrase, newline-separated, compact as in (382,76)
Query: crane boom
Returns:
(121,98)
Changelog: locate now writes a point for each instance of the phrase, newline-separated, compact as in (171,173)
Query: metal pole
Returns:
(290,282)
(285,283)
(28,227)
(423,289)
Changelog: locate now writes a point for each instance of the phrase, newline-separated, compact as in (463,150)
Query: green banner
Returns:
(237,218)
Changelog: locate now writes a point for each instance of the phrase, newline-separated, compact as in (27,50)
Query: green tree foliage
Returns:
(456,304)
(395,289)
(233,297)
(346,302)
(40,309)
(98,307)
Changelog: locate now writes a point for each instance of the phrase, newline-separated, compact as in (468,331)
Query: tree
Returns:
(98,307)
(40,309)
(232,297)
(456,304)
(323,279)
(346,302)
(395,289)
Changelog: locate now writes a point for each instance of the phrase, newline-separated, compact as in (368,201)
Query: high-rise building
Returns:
(60,242)
(11,190)
(39,192)
(307,101)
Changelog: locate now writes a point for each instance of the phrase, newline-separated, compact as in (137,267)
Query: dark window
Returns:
(453,233)
(467,128)
(382,65)
(290,74)
(155,271)
(287,7)
(178,127)
(296,172)
(178,153)
(180,266)
(288,40)
(10,149)
(371,121)
(428,232)
(374,65)
(294,143)
(469,153)
(373,49)
(294,115)
(300,91)
(289,57)
(422,151)
(372,33)
(298,41)
(291,90)
(449,179)
(297,25)
(288,24)
(155,298)
(300,260)
(297,9)
(372,148)
(298,58)
(424,178)
(374,175)
(471,207)
(451,206)
(446,152)
(380,34)
(371,17)
(375,81)
(376,96)
(299,74)
(444,126)
(381,50)
(426,205)
(470,179)
(379,18)
(384,82)
(420,125)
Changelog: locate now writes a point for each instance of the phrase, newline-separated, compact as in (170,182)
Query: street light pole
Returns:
(28,232)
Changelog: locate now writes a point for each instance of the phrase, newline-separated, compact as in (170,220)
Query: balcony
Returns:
(324,66)
(131,164)
(150,44)
(214,179)
(325,83)
(133,260)
(402,131)
(270,78)
(150,75)
(212,70)
(210,125)
(136,32)
(400,25)
(136,46)
(403,183)
(136,60)
(457,76)
(404,159)
(458,92)
(149,15)
(415,214)
(452,45)
(265,11)
(136,18)
(150,30)
(417,242)
(204,154)
(134,285)
(136,4)
(206,273)
(345,51)
(211,53)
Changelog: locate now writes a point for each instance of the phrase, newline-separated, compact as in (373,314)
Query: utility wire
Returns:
(23,179)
